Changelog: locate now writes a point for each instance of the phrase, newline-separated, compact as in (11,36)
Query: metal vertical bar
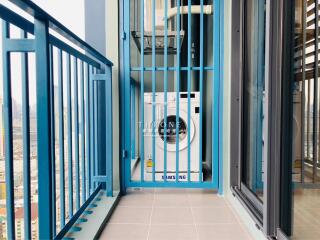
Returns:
(189,86)
(92,127)
(153,91)
(126,145)
(82,133)
(304,37)
(53,163)
(178,90)
(95,128)
(201,90)
(26,142)
(7,117)
(109,132)
(216,93)
(165,88)
(61,138)
(69,123)
(133,123)
(87,129)
(41,31)
(142,90)
(315,93)
(76,131)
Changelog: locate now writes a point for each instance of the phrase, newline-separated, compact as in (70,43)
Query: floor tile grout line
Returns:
(150,218)
(192,215)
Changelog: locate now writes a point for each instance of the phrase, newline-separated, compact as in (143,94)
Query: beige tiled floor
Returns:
(174,214)
(306,222)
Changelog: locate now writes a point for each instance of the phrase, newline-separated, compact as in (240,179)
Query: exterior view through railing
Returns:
(55,95)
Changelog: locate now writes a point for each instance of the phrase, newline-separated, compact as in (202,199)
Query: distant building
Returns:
(2,190)
(1,130)
(19,214)
(3,223)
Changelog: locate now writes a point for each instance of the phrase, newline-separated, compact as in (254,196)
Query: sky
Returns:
(70,13)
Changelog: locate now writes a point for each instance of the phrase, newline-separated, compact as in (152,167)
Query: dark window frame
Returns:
(275,217)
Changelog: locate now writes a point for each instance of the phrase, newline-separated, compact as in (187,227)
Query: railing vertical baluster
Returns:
(95,128)
(82,117)
(133,116)
(87,129)
(69,120)
(76,131)
(26,142)
(7,117)
(92,121)
(165,88)
(215,95)
(189,87)
(142,91)
(109,132)
(52,114)
(41,31)
(178,91)
(153,90)
(201,91)
(61,139)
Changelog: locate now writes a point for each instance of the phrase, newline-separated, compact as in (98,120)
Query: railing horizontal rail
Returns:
(28,26)
(75,217)
(37,12)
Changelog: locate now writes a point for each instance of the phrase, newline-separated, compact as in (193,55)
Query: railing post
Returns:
(7,120)
(41,33)
(109,132)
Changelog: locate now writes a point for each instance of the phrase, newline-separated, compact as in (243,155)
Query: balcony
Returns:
(151,128)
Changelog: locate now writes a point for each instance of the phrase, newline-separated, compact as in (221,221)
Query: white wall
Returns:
(112,48)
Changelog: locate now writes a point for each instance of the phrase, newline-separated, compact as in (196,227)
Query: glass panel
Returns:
(253,94)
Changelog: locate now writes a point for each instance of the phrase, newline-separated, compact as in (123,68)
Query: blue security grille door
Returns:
(171,93)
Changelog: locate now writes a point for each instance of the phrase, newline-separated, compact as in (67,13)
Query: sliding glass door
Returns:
(248,67)
(252,96)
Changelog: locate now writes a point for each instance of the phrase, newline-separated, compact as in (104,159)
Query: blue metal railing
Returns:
(82,74)
(175,72)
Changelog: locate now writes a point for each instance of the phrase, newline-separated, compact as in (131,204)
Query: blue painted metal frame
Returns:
(69,126)
(108,178)
(221,96)
(41,32)
(141,124)
(76,130)
(61,138)
(82,134)
(26,142)
(7,118)
(126,91)
(53,161)
(178,23)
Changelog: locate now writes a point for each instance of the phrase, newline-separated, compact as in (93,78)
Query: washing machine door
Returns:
(171,130)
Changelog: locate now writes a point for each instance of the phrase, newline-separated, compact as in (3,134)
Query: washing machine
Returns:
(159,125)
